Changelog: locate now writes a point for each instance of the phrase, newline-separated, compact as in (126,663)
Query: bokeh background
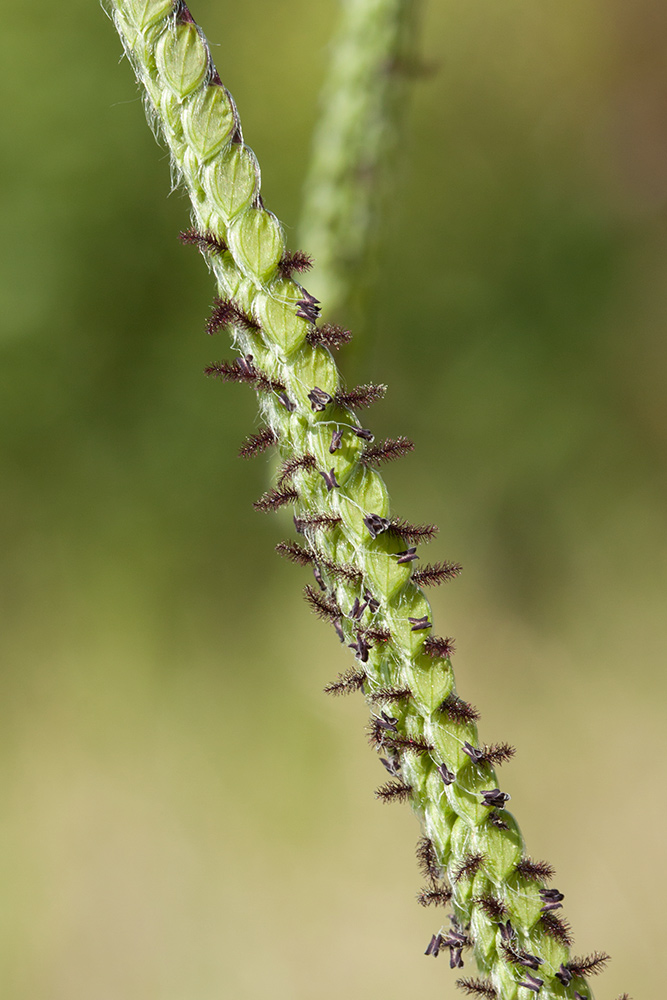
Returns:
(184,815)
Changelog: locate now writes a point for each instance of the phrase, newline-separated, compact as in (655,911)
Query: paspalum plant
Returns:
(498,907)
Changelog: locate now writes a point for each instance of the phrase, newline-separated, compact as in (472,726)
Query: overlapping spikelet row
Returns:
(365,560)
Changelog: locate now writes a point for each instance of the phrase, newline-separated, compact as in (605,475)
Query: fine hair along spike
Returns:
(365,561)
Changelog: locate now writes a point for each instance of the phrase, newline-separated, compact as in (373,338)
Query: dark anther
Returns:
(532,983)
(496,820)
(563,975)
(319,399)
(552,895)
(183,15)
(330,479)
(361,432)
(287,402)
(495,798)
(506,932)
(358,609)
(529,961)
(419,623)
(338,629)
(448,777)
(376,524)
(552,899)
(373,604)
(407,556)
(246,365)
(548,907)
(295,260)
(336,439)
(476,755)
(360,648)
(456,942)
(393,766)
(434,945)
(386,721)
(309,307)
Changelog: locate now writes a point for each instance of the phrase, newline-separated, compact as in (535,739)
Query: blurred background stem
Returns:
(362,114)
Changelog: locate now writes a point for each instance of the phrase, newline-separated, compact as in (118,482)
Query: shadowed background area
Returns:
(184,814)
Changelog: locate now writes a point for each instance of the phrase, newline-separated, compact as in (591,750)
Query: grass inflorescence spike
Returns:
(365,560)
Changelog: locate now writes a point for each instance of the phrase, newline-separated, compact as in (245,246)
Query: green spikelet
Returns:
(471,853)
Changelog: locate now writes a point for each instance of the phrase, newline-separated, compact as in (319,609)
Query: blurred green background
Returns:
(184,814)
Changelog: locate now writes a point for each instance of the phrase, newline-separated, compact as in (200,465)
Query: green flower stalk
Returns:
(362,102)
(364,558)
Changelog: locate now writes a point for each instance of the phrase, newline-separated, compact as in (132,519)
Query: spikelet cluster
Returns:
(365,560)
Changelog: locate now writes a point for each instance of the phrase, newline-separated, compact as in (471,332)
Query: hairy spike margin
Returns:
(293,465)
(325,607)
(434,896)
(360,397)
(328,335)
(352,680)
(227,313)
(458,710)
(245,247)
(206,242)
(390,450)
(294,261)
(477,988)
(274,499)
(537,871)
(394,791)
(427,859)
(433,574)
(295,553)
(257,443)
